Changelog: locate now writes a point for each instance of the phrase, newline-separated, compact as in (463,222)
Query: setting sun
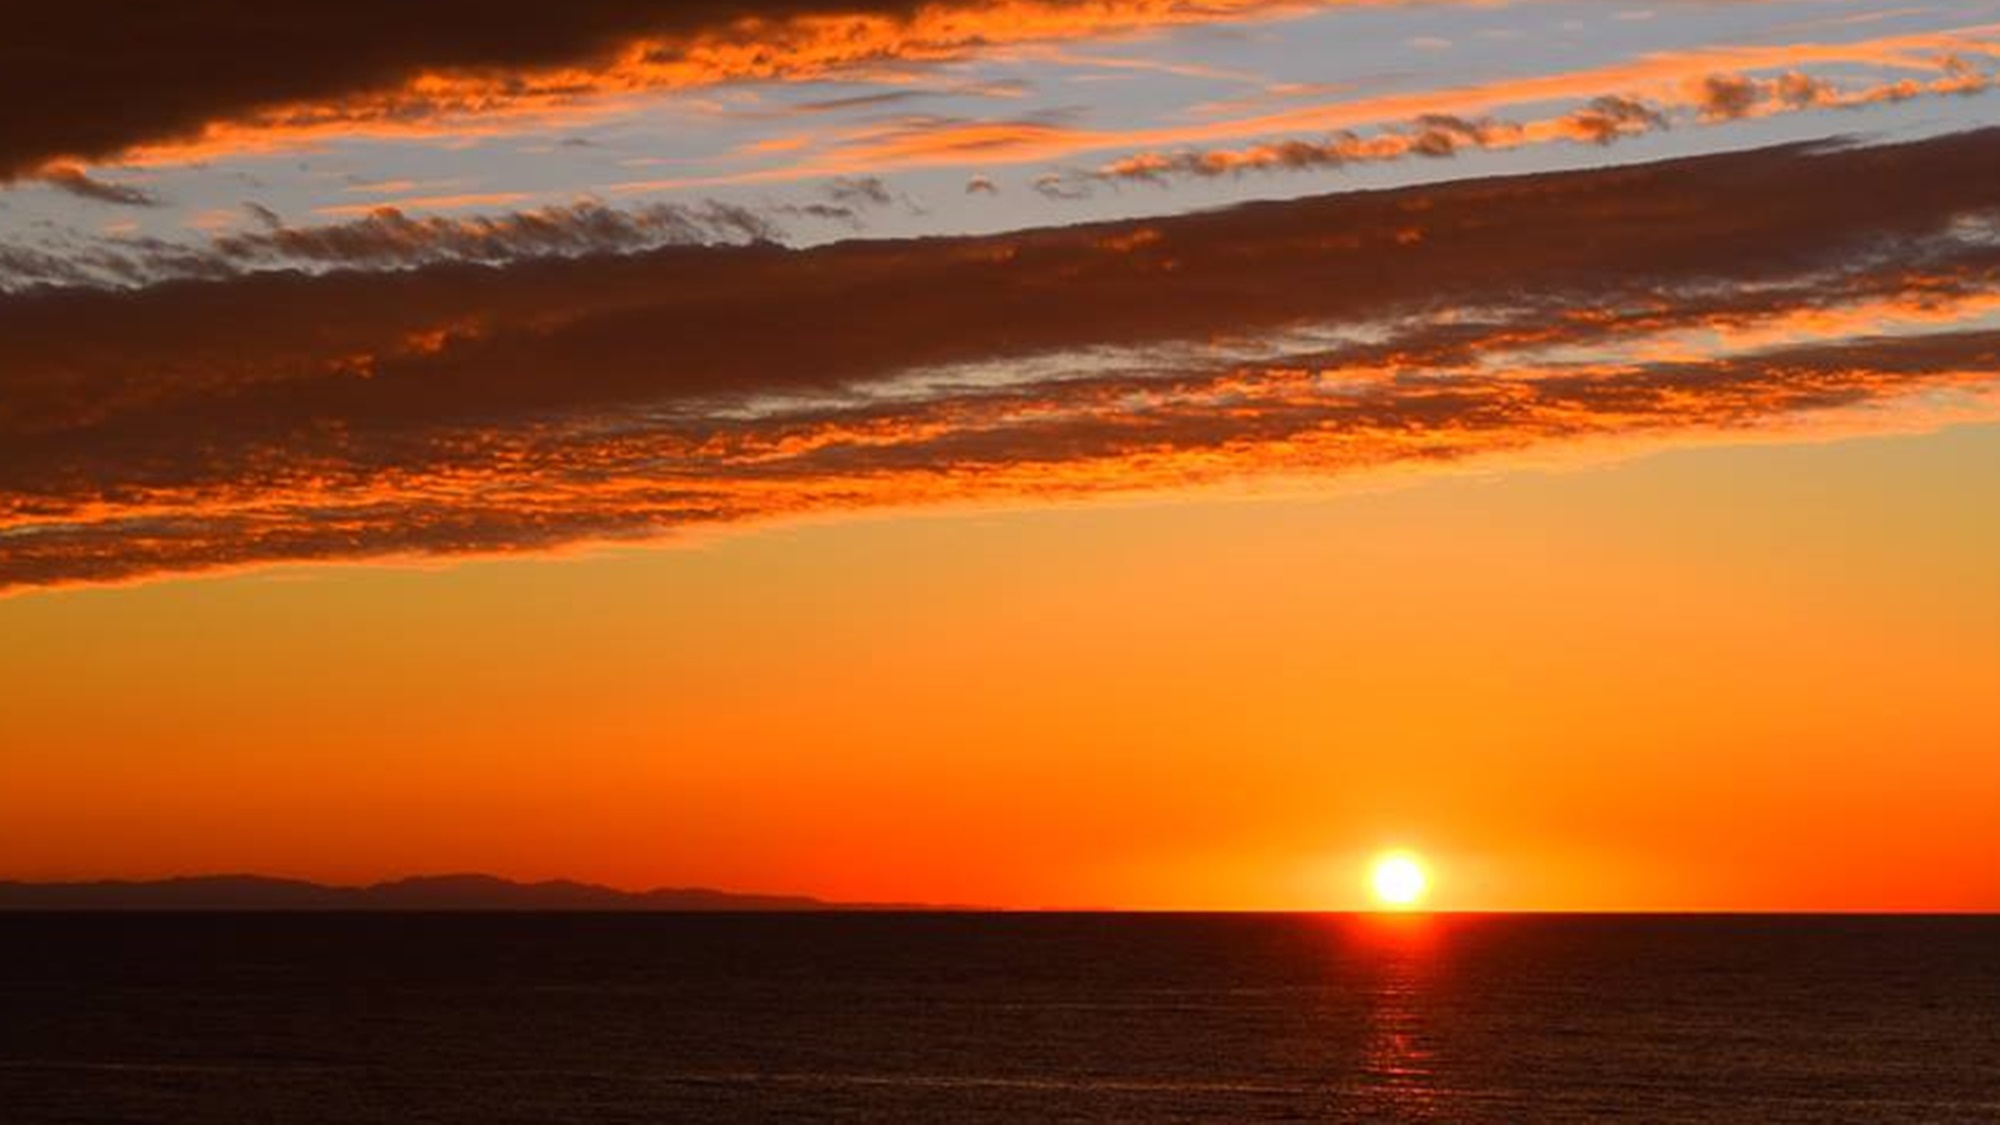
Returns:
(1399,880)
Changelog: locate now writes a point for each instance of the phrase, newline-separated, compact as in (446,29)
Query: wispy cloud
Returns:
(75,181)
(1603,120)
(382,236)
(1602,104)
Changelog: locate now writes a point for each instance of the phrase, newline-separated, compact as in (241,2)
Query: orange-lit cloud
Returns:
(454,408)
(461,69)
(1603,120)
(175,82)
(1696,98)
(1609,102)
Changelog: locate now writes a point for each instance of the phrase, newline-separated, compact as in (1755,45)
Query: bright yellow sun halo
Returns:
(1399,880)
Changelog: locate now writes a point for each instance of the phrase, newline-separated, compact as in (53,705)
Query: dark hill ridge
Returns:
(430,892)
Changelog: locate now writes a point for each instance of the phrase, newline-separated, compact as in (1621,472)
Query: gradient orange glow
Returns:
(910,450)
(1205,706)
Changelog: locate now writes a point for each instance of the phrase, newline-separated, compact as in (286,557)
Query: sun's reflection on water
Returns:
(1400,1075)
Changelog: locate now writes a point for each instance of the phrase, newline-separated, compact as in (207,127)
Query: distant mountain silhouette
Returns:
(430,892)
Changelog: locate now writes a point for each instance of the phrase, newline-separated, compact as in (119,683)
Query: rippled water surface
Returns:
(975,1017)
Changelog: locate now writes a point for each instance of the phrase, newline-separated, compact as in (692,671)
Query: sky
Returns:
(1028,453)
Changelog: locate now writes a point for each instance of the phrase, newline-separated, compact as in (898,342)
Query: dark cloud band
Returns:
(462,407)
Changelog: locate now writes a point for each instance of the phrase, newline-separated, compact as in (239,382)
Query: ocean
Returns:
(996,1017)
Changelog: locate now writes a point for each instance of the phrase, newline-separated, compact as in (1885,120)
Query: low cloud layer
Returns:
(458,407)
(386,237)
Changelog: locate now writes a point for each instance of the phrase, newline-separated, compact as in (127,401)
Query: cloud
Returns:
(868,191)
(1611,101)
(1432,135)
(1603,120)
(464,408)
(75,181)
(179,76)
(1612,117)
(385,237)
(1726,97)
(461,69)
(947,140)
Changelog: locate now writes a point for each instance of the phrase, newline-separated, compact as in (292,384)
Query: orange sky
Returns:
(1125,453)
(1749,677)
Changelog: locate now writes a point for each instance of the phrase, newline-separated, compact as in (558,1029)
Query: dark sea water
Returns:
(500,1018)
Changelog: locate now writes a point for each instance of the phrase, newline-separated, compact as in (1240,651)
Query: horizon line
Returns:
(784,902)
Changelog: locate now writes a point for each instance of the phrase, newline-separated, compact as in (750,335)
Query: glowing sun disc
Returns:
(1399,880)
